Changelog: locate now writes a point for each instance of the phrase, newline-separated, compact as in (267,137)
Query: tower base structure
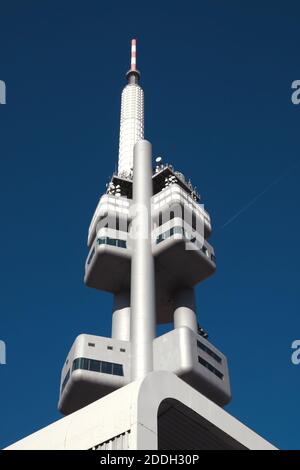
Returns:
(159,412)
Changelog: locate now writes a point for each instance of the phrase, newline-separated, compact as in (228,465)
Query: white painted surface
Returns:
(133,410)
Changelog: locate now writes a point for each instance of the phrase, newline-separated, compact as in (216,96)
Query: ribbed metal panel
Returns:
(120,442)
(179,428)
(131,125)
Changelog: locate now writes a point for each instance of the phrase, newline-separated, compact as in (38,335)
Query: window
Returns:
(96,366)
(76,364)
(117,369)
(211,368)
(91,256)
(110,348)
(208,351)
(65,381)
(84,363)
(111,241)
(106,367)
(122,350)
(92,345)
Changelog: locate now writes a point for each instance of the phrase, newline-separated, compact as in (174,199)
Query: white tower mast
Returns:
(132,117)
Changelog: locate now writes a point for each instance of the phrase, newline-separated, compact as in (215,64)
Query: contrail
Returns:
(258,196)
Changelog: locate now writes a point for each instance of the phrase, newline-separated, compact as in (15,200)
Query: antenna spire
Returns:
(133,75)
(133,55)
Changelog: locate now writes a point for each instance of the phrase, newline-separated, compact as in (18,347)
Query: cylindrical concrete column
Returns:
(142,324)
(185,309)
(121,317)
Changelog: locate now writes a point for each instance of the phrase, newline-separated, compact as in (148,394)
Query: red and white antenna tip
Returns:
(133,55)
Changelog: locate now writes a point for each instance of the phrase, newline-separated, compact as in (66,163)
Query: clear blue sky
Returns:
(217,79)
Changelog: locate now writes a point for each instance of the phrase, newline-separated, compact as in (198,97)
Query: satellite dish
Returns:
(158,160)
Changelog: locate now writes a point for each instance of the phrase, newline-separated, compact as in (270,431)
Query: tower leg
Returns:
(185,309)
(121,317)
(142,265)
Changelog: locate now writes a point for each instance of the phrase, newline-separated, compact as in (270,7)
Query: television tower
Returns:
(148,246)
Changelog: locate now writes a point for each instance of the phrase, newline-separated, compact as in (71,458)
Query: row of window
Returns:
(208,351)
(211,368)
(107,241)
(180,230)
(169,233)
(93,365)
(112,242)
(98,366)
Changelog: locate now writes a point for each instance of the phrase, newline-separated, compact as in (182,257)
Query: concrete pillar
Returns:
(185,309)
(143,319)
(121,317)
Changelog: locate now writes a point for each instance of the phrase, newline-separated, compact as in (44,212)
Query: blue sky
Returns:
(217,79)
